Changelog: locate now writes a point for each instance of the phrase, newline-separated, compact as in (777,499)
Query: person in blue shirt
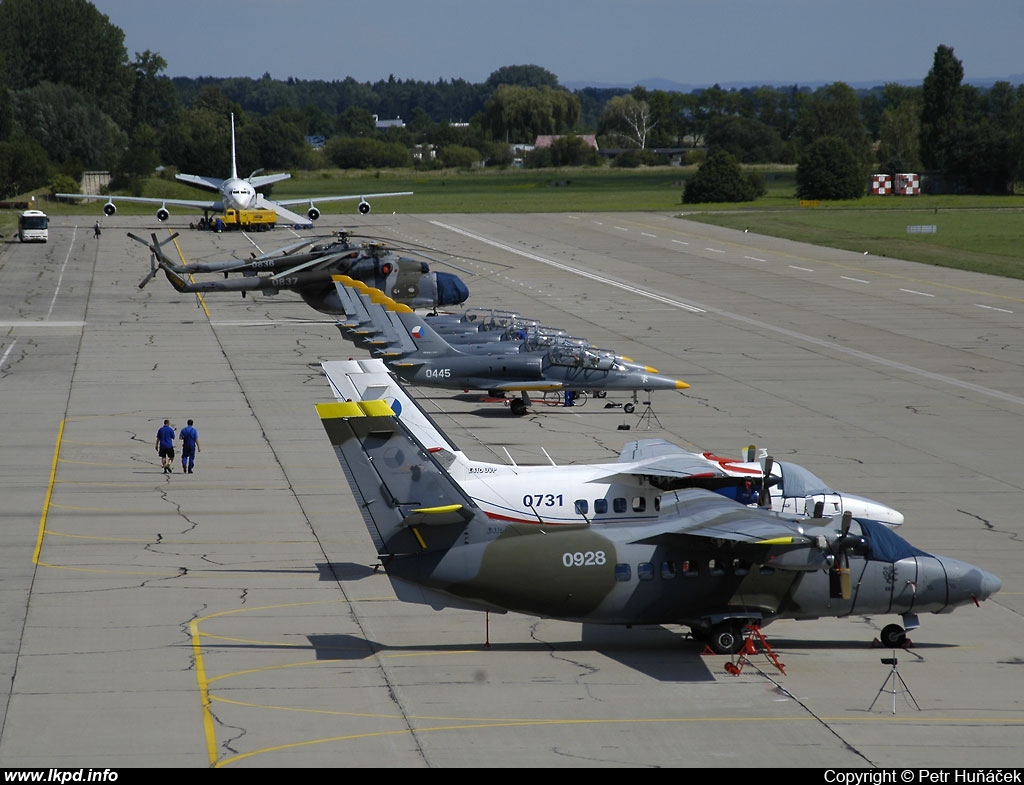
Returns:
(747,493)
(165,446)
(189,446)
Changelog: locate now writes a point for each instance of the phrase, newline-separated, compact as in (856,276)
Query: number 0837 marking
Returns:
(583,559)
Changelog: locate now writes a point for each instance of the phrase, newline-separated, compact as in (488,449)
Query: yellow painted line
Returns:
(49,495)
(199,295)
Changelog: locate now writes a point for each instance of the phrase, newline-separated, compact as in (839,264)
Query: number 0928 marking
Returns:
(583,559)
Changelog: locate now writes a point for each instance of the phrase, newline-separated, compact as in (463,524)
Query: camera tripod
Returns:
(895,684)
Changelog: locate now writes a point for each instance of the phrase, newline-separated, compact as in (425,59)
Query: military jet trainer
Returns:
(706,563)
(309,274)
(418,355)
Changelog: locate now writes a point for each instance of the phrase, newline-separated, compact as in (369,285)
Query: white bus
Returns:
(33,226)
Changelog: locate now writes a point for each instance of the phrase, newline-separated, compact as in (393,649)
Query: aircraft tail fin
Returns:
(410,504)
(423,338)
(370,380)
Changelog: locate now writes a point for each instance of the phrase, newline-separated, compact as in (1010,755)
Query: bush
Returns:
(720,179)
(829,169)
(631,159)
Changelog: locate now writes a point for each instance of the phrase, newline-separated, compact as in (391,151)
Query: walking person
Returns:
(96,230)
(165,446)
(189,447)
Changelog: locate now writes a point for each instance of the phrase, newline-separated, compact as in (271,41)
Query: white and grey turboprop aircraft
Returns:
(237,193)
(634,488)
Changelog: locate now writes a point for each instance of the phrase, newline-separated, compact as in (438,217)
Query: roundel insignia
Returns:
(396,406)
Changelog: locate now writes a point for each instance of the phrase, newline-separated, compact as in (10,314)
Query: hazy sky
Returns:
(621,42)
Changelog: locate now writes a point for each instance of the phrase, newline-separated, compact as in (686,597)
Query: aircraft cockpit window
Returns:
(645,571)
(797,482)
(619,505)
(623,573)
(582,507)
(600,506)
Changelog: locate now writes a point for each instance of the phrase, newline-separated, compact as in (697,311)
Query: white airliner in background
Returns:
(633,489)
(237,193)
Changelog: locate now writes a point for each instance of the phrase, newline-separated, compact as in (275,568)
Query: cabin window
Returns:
(639,504)
(645,571)
(623,573)
(690,569)
(619,504)
(600,506)
(716,567)
(582,507)
(668,570)
(657,503)
(740,567)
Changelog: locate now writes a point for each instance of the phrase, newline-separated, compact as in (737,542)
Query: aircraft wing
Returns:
(666,454)
(346,198)
(707,521)
(198,204)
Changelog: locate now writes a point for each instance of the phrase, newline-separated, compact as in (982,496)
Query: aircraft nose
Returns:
(990,584)
(967,583)
(682,385)
(451,290)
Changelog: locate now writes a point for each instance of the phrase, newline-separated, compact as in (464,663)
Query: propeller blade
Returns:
(154,268)
(764,498)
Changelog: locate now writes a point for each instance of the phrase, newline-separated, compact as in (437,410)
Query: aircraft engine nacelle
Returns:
(162,214)
(312,213)
(364,206)
(109,209)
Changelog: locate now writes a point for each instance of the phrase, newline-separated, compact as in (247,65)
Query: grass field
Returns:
(984,234)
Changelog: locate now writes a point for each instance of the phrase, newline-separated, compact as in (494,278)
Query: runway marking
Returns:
(870,358)
(681,242)
(912,291)
(714,250)
(574,270)
(7,353)
(63,267)
(755,258)
(802,269)
(979,305)
(855,280)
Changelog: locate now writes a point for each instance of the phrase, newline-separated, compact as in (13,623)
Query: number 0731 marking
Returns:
(583,559)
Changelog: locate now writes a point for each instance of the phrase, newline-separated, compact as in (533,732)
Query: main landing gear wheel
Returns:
(726,638)
(517,406)
(628,408)
(893,636)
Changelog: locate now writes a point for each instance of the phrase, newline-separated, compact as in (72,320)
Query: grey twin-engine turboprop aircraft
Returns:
(705,562)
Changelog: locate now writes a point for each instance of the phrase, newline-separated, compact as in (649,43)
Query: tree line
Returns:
(71,101)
